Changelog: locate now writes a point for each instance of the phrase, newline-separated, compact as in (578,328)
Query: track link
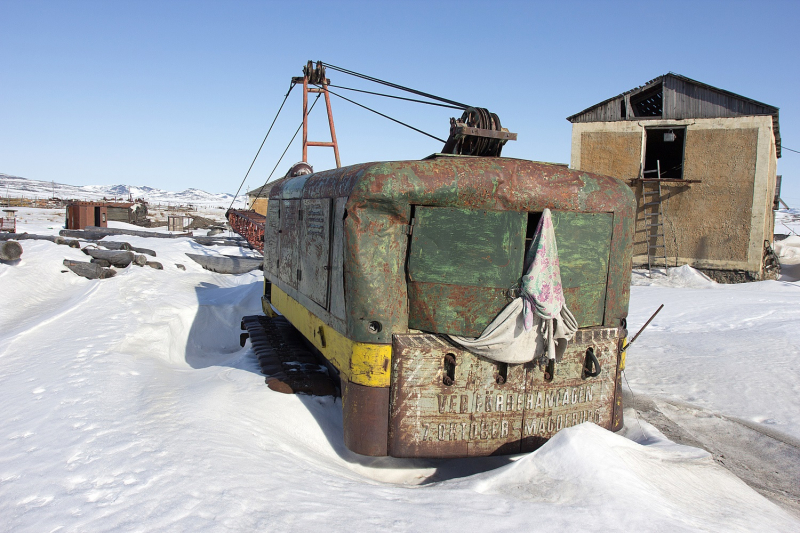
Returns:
(288,365)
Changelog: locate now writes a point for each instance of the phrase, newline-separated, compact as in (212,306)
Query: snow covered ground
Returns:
(127,404)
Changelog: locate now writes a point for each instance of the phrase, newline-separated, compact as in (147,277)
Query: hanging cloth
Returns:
(538,321)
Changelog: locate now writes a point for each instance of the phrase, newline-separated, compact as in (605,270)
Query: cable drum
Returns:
(473,142)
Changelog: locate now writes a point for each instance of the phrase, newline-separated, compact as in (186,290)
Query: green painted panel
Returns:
(469,247)
(584,244)
(587,303)
(453,309)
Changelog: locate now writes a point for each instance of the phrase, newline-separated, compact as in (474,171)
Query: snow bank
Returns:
(731,349)
(788,252)
(666,487)
(683,276)
(128,405)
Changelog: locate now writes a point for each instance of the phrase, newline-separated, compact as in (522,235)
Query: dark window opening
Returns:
(623,109)
(530,231)
(664,152)
(649,103)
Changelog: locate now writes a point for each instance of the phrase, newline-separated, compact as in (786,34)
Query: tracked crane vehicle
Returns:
(376,265)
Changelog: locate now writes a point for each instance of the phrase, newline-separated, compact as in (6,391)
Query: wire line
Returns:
(393,96)
(396,86)
(262,144)
(286,150)
(387,116)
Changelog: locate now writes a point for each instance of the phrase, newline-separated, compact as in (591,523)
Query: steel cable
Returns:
(262,144)
(459,105)
(393,96)
(286,150)
(387,116)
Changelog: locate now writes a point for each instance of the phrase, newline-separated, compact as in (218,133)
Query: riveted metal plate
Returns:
(337,306)
(289,237)
(316,246)
(476,415)
(271,244)
(473,416)
(572,398)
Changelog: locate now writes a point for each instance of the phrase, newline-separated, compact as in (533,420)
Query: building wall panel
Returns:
(711,220)
(616,154)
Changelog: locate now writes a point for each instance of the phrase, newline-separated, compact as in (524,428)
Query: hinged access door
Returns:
(316,246)
(461,264)
(288,238)
(271,235)
(584,244)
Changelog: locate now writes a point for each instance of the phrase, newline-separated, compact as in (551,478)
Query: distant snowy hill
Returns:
(15,186)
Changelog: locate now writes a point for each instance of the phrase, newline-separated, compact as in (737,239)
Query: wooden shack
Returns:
(129,212)
(702,162)
(82,214)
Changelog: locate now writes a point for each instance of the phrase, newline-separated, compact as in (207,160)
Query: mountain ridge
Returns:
(17,186)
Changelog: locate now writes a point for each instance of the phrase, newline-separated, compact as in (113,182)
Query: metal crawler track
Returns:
(288,365)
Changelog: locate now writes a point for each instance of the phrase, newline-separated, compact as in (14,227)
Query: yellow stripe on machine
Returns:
(359,362)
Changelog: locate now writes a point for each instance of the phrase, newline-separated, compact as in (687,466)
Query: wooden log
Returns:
(155,264)
(140,259)
(137,233)
(117,258)
(227,265)
(145,251)
(10,250)
(33,237)
(112,245)
(95,238)
(221,241)
(81,234)
(100,262)
(89,270)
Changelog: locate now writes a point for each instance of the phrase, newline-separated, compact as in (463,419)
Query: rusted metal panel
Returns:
(289,243)
(271,238)
(472,247)
(316,249)
(379,196)
(584,241)
(365,413)
(337,306)
(572,397)
(248,224)
(453,309)
(460,265)
(478,413)
(374,272)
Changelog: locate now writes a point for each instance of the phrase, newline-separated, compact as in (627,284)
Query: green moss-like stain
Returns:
(467,247)
(584,246)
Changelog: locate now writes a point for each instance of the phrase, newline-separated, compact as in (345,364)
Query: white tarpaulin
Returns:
(536,322)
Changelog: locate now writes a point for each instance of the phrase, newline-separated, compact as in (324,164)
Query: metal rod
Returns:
(330,123)
(305,118)
(645,325)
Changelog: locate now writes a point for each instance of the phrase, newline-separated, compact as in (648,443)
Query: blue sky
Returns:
(180,94)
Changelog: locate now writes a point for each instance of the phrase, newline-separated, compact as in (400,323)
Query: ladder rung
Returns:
(655,224)
(652,192)
(657,246)
(653,203)
(656,235)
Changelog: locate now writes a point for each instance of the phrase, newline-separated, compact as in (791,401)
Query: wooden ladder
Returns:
(653,218)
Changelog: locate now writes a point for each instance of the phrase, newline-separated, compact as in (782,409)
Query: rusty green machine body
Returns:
(376,263)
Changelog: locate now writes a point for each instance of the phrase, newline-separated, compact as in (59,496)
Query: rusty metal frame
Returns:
(324,91)
(249,225)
